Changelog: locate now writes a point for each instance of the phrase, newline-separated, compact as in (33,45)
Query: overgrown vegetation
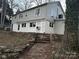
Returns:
(71,27)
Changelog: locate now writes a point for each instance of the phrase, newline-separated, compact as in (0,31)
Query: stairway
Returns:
(43,48)
(45,38)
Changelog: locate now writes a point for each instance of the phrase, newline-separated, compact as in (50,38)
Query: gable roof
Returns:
(61,7)
(41,6)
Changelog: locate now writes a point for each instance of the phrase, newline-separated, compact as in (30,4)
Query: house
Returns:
(45,18)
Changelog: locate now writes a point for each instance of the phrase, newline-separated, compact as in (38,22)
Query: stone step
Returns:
(43,40)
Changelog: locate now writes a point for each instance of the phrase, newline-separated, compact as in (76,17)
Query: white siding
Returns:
(46,11)
(40,24)
(59,27)
(15,26)
(48,29)
(42,27)
(55,10)
(52,10)
(42,21)
(31,14)
(60,12)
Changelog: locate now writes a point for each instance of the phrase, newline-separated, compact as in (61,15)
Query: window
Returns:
(32,24)
(18,27)
(51,24)
(60,16)
(23,24)
(37,12)
(20,16)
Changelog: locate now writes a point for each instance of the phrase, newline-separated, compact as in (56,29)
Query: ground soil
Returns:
(38,51)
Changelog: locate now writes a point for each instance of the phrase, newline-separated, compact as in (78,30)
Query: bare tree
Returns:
(24,4)
(27,4)
(37,2)
(12,4)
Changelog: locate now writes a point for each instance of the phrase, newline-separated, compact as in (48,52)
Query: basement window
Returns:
(33,24)
(23,24)
(51,24)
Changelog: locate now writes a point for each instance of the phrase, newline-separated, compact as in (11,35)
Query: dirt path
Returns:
(38,51)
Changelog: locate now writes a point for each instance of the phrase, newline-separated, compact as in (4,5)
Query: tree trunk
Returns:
(71,26)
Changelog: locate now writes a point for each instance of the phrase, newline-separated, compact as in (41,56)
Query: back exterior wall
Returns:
(40,24)
(59,27)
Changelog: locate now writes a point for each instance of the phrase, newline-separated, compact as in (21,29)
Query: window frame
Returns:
(51,24)
(33,24)
(23,25)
